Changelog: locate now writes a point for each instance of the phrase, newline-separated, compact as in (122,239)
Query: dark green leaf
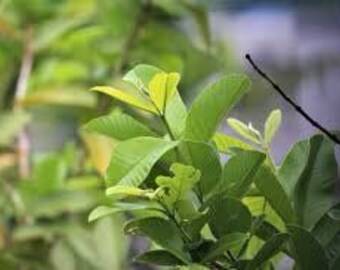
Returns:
(159,257)
(228,215)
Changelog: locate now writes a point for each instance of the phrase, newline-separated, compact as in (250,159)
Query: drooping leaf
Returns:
(159,257)
(245,131)
(239,173)
(310,188)
(133,159)
(211,106)
(224,244)
(307,252)
(205,158)
(225,143)
(162,87)
(268,250)
(228,215)
(272,124)
(163,232)
(126,98)
(270,187)
(119,126)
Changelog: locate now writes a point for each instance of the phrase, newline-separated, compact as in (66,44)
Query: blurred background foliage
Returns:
(51,53)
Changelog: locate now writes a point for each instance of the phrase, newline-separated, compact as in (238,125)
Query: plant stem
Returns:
(298,108)
(174,219)
(23,143)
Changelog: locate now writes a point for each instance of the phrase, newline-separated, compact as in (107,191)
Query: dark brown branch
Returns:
(298,108)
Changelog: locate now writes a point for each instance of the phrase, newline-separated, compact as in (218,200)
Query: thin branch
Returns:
(298,108)
(131,40)
(23,145)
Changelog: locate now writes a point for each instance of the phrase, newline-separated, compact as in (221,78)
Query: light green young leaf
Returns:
(133,159)
(272,124)
(162,88)
(245,131)
(176,188)
(119,126)
(126,98)
(211,106)
(175,111)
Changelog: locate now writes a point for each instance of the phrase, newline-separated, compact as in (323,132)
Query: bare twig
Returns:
(298,108)
(23,145)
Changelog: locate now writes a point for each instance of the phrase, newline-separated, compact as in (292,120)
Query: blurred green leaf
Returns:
(11,125)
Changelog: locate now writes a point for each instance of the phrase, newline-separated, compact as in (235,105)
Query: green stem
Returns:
(171,215)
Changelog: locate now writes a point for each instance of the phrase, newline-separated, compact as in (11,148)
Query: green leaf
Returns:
(126,98)
(205,158)
(162,87)
(311,188)
(270,187)
(228,215)
(225,143)
(271,247)
(163,232)
(239,173)
(133,159)
(62,258)
(159,257)
(176,188)
(119,126)
(245,131)
(211,106)
(141,75)
(272,124)
(225,243)
(308,253)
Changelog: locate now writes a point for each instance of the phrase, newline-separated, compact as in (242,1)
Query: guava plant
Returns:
(199,211)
